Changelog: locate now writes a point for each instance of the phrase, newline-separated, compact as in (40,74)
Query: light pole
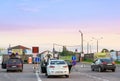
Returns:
(97,42)
(81,44)
(81,41)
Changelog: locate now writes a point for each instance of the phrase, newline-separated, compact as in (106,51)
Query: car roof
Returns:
(57,60)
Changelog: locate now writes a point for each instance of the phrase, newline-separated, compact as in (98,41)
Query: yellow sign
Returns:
(19,51)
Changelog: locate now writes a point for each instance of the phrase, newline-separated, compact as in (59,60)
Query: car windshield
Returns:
(57,62)
(14,61)
(106,60)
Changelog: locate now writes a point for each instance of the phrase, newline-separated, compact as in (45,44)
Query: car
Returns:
(103,64)
(14,64)
(57,67)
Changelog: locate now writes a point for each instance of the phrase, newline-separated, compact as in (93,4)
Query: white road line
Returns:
(94,77)
(37,75)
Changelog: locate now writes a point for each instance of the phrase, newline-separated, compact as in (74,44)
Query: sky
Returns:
(44,22)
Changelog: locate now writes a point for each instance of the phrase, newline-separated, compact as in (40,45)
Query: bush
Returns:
(88,60)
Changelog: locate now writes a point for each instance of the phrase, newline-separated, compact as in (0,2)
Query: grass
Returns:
(66,58)
(88,60)
(117,62)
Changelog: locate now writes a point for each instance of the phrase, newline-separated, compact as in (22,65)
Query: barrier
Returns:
(30,60)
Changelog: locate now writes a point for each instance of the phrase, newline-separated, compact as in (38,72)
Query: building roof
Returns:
(45,52)
(19,47)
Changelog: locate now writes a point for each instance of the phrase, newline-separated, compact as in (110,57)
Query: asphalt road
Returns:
(78,73)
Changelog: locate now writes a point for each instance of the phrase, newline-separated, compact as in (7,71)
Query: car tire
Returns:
(92,69)
(67,76)
(21,70)
(48,76)
(7,70)
(99,69)
(113,70)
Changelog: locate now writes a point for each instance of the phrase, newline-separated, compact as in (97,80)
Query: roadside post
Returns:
(73,60)
(35,51)
(37,61)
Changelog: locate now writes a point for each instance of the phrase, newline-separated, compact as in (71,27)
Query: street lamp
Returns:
(81,41)
(97,41)
(81,44)
(88,46)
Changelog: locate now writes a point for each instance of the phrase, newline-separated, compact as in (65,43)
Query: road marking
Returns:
(94,77)
(37,75)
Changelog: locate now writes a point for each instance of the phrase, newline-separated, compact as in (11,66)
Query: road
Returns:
(79,73)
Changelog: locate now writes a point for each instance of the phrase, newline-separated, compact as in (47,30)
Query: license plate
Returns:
(59,72)
(109,64)
(13,66)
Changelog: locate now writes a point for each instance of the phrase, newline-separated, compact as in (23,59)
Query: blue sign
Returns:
(9,51)
(37,59)
(74,57)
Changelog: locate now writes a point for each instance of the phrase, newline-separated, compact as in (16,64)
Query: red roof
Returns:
(19,47)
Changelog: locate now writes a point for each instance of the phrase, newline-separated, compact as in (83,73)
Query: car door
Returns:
(97,64)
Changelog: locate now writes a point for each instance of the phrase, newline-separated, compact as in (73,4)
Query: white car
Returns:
(57,67)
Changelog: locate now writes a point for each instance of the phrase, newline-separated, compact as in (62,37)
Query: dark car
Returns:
(103,64)
(14,64)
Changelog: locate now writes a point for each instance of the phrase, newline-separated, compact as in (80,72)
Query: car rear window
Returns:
(14,61)
(57,62)
(106,60)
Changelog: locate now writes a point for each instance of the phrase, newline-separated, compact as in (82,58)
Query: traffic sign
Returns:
(73,57)
(35,49)
(37,59)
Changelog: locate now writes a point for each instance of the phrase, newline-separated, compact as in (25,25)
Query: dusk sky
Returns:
(44,22)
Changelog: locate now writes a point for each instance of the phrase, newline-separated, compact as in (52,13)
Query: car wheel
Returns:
(99,69)
(21,70)
(92,69)
(7,70)
(113,70)
(48,76)
(67,76)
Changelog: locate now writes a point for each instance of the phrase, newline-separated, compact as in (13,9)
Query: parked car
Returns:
(103,64)
(15,64)
(57,67)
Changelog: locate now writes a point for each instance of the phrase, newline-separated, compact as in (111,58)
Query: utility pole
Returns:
(81,45)
(97,42)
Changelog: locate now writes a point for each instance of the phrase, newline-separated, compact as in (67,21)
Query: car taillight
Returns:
(19,65)
(51,66)
(8,65)
(65,66)
(104,63)
(113,62)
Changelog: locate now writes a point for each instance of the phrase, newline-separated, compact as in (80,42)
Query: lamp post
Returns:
(97,41)
(81,44)
(88,46)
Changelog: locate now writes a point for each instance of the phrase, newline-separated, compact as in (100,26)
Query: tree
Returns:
(104,50)
(112,50)
(65,51)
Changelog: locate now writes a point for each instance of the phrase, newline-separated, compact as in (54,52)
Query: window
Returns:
(57,62)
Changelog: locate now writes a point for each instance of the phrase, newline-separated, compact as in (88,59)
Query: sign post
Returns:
(35,51)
